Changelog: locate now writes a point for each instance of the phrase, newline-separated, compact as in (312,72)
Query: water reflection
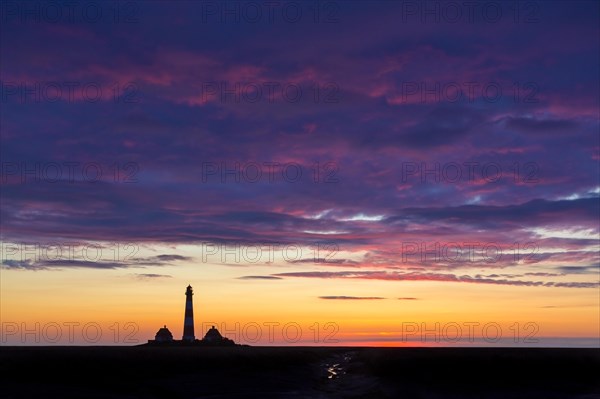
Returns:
(334,370)
(338,367)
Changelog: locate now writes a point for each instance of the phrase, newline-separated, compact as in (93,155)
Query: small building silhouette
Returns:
(163,335)
(214,337)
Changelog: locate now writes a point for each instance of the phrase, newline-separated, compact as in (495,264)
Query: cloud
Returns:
(330,261)
(58,264)
(536,212)
(569,306)
(160,260)
(442,126)
(260,278)
(545,126)
(63,264)
(170,257)
(407,299)
(590,269)
(351,297)
(20,264)
(415,276)
(148,276)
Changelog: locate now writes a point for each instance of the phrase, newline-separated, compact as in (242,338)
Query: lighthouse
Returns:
(212,338)
(188,321)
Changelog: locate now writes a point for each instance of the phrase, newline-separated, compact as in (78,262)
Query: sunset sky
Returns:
(322,173)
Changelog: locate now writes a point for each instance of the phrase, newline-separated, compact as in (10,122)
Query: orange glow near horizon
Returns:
(129,309)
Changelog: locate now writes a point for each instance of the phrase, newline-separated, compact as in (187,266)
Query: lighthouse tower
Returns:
(188,322)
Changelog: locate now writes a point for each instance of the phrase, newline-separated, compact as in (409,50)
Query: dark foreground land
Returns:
(298,372)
